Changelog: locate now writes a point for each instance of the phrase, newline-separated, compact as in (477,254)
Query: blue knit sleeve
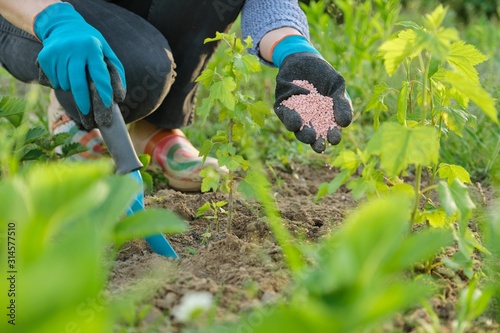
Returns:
(261,16)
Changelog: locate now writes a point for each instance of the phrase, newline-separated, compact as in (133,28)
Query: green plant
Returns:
(357,280)
(432,101)
(238,110)
(32,143)
(216,209)
(64,216)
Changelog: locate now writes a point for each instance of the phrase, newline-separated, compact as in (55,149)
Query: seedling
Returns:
(216,209)
(239,111)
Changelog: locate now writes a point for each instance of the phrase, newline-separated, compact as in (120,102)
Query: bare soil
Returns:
(245,269)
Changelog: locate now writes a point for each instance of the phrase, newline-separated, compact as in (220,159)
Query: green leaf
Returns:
(34,134)
(33,155)
(397,50)
(399,147)
(455,198)
(203,209)
(376,101)
(147,223)
(433,20)
(437,43)
(13,109)
(475,92)
(437,218)
(218,36)
(246,64)
(233,163)
(451,172)
(455,119)
(403,103)
(211,179)
(223,92)
(409,24)
(334,185)
(463,57)
(206,77)
(73,149)
(59,139)
(259,111)
(411,250)
(362,186)
(205,109)
(347,159)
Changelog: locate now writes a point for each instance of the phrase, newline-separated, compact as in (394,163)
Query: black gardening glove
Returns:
(311,99)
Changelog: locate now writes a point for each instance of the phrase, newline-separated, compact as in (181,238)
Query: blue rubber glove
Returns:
(158,242)
(298,60)
(75,56)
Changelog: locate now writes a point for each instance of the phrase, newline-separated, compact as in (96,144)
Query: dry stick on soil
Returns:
(314,109)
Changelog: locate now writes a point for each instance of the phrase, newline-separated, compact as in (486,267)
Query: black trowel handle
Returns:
(119,144)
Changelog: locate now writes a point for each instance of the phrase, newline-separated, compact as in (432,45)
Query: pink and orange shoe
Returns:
(172,152)
(60,122)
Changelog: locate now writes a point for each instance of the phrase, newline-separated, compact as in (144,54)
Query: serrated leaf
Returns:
(376,101)
(60,138)
(223,92)
(475,92)
(451,172)
(433,20)
(399,147)
(205,149)
(437,43)
(211,179)
(73,149)
(397,50)
(147,223)
(347,159)
(463,57)
(403,103)
(259,111)
(361,187)
(437,218)
(231,162)
(218,36)
(34,134)
(206,77)
(33,154)
(204,109)
(246,64)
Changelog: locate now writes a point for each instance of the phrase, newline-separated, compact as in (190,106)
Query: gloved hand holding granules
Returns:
(311,98)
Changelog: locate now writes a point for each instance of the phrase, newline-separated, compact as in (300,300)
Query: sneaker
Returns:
(60,122)
(172,152)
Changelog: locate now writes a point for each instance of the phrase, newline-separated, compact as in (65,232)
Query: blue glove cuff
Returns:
(44,22)
(290,45)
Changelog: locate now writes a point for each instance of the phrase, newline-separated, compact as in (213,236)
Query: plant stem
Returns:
(231,180)
(418,183)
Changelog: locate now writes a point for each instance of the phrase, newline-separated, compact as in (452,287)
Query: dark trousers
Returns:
(159,42)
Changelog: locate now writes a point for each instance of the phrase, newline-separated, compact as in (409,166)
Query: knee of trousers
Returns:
(149,79)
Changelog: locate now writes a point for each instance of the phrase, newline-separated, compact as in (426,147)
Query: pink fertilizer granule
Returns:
(315,109)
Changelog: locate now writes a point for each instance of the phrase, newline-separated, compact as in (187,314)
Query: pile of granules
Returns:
(315,109)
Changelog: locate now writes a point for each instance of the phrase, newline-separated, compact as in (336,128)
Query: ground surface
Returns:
(245,268)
